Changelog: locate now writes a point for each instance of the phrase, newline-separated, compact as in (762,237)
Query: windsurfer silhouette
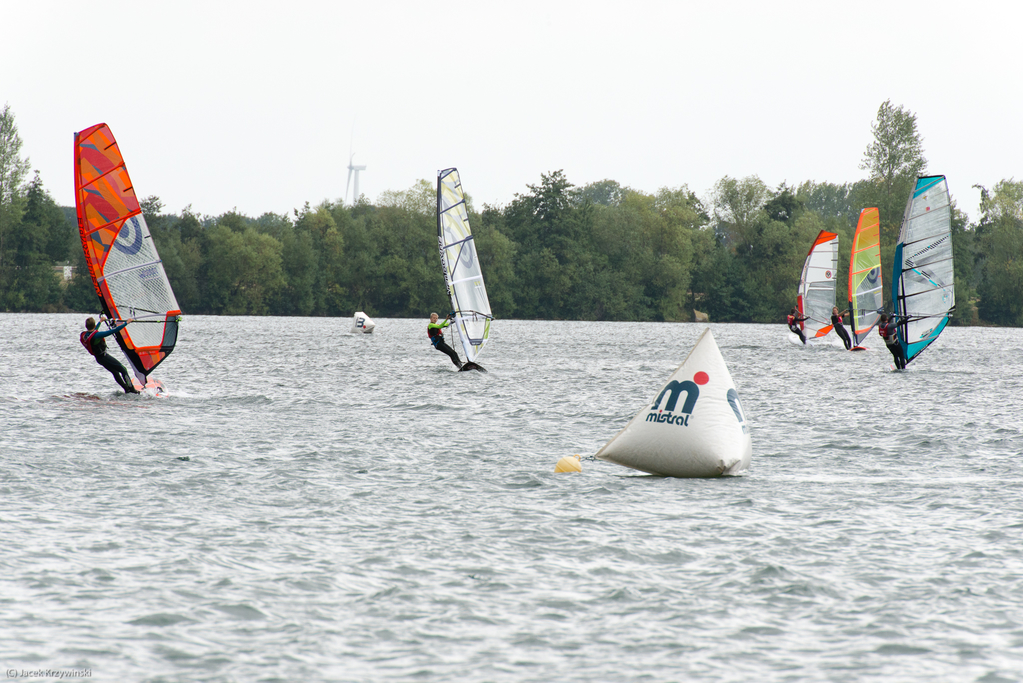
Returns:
(92,340)
(437,338)
(836,321)
(887,327)
(793,321)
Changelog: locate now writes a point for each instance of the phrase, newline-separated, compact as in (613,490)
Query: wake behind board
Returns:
(817,342)
(153,387)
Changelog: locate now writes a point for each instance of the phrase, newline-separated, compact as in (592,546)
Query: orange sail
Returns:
(126,270)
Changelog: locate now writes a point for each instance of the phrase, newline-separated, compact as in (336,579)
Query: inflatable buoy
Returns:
(362,324)
(694,427)
(570,463)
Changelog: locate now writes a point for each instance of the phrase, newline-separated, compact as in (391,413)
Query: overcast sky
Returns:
(255,105)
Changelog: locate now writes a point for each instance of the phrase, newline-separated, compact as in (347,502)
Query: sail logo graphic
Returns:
(873,274)
(125,235)
(911,261)
(674,390)
(827,274)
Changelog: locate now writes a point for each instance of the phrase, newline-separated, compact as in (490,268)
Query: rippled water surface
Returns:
(309,505)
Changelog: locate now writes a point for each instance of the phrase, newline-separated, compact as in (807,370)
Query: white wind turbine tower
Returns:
(353,169)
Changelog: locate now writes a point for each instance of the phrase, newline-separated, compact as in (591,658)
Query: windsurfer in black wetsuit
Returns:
(887,328)
(92,340)
(793,320)
(836,321)
(437,338)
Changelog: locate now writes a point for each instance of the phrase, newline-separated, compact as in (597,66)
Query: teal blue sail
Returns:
(923,277)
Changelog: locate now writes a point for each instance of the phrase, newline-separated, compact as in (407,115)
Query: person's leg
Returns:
(443,346)
(118,371)
(845,336)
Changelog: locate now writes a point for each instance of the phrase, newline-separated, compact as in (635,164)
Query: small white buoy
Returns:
(362,324)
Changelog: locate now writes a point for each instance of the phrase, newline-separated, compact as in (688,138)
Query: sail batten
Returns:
(126,270)
(924,272)
(460,262)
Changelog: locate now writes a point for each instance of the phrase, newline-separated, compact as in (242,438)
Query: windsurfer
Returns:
(887,328)
(793,320)
(437,338)
(92,340)
(836,321)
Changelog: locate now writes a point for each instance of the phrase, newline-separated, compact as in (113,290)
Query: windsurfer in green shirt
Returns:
(437,338)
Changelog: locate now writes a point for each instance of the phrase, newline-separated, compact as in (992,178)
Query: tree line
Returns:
(601,251)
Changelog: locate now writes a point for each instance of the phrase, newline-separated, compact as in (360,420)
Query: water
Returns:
(309,505)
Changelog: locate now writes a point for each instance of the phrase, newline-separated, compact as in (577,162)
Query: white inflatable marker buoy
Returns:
(570,463)
(362,324)
(694,427)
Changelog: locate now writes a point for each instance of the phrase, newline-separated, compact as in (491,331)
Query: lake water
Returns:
(310,505)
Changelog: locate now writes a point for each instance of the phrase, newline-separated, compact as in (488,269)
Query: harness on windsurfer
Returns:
(793,320)
(93,341)
(888,327)
(433,330)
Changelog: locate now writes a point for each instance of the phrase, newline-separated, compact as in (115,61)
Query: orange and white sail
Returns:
(817,282)
(126,270)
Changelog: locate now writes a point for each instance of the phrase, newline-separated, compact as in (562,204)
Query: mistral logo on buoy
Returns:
(674,390)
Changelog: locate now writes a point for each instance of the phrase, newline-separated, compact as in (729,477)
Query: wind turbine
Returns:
(352,168)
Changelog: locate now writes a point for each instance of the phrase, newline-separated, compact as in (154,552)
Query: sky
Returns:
(256,106)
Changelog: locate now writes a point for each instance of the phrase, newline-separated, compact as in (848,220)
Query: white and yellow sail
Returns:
(462,274)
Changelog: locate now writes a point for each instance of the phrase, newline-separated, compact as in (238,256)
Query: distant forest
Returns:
(601,251)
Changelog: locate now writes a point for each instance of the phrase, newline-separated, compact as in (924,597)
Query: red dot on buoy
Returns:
(701,378)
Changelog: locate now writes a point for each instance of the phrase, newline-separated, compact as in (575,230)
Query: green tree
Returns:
(1000,238)
(29,280)
(243,271)
(603,192)
(893,159)
(831,201)
(13,170)
(497,254)
(421,198)
(738,208)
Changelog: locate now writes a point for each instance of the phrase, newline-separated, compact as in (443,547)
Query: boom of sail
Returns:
(865,295)
(126,271)
(923,278)
(817,285)
(462,275)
